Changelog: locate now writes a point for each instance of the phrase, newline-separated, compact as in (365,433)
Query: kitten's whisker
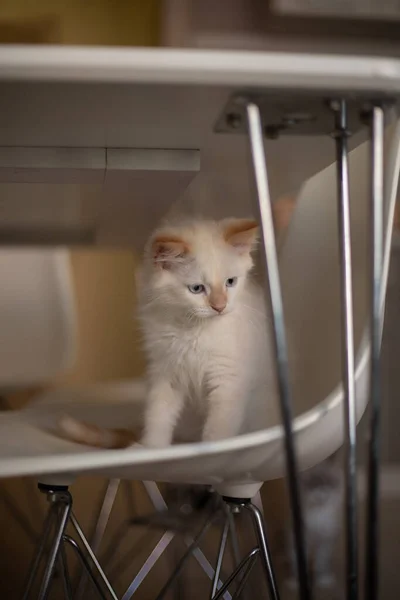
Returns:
(254,310)
(246,319)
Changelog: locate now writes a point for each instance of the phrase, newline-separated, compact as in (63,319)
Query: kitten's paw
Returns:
(154,442)
(136,445)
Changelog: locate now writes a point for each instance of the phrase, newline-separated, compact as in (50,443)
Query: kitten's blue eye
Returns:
(231,282)
(197,288)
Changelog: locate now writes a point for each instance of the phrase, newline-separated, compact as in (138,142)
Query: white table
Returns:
(122,133)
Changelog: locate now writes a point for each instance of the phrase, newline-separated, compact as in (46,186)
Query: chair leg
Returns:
(66,580)
(236,553)
(160,505)
(189,552)
(234,539)
(93,556)
(53,540)
(57,518)
(39,552)
(162,545)
(104,513)
(245,567)
(236,505)
(258,522)
(85,563)
(220,558)
(63,501)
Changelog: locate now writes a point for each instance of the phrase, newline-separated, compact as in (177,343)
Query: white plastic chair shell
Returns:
(237,467)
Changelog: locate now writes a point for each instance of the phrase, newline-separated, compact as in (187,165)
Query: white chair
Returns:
(236,468)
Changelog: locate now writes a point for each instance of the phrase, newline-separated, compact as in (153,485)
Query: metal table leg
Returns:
(376,326)
(341,135)
(264,207)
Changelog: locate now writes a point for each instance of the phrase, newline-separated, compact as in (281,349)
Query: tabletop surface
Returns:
(74,123)
(272,69)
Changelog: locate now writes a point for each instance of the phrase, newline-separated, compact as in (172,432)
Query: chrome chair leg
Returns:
(39,552)
(66,580)
(100,527)
(162,545)
(244,568)
(65,503)
(85,564)
(220,557)
(262,550)
(258,522)
(60,507)
(93,556)
(189,552)
(160,505)
(53,539)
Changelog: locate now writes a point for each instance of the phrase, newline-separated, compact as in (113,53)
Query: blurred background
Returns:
(109,344)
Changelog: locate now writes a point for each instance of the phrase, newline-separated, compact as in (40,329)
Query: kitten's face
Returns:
(200,269)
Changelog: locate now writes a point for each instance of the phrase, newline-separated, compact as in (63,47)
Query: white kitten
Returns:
(206,333)
(210,364)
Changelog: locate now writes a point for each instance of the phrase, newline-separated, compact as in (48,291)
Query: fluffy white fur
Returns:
(210,360)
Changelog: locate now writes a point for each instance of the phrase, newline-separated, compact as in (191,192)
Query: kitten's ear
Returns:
(242,234)
(168,250)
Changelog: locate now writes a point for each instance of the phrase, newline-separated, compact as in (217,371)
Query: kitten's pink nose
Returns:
(218,307)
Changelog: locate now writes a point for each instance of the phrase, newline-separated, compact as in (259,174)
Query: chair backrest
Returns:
(37,317)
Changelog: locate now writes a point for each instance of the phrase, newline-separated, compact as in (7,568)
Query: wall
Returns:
(106,22)
(108,336)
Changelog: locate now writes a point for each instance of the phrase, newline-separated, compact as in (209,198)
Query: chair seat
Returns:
(30,445)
